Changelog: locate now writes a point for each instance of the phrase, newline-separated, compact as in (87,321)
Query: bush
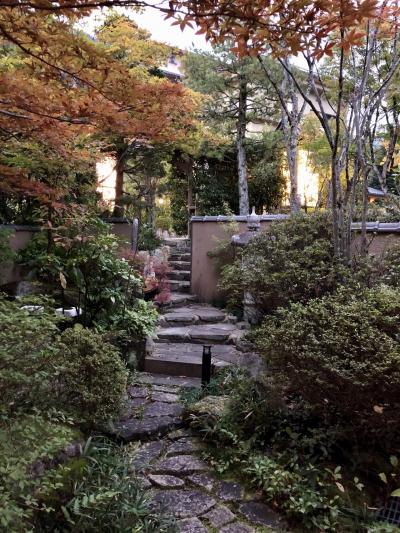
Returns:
(92,377)
(292,262)
(29,447)
(342,354)
(28,355)
(85,266)
(77,371)
(148,239)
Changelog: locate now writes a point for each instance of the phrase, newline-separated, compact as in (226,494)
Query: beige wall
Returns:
(207,234)
(21,235)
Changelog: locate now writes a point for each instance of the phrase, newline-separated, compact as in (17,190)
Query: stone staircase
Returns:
(186,325)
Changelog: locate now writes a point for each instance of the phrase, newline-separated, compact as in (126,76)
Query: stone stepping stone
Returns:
(161,409)
(172,381)
(167,397)
(165,388)
(146,454)
(166,482)
(181,464)
(259,513)
(230,492)
(179,275)
(191,525)
(219,516)
(180,265)
(134,429)
(202,480)
(144,482)
(237,527)
(138,392)
(184,503)
(184,446)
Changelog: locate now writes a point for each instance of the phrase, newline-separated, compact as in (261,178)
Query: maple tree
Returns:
(67,91)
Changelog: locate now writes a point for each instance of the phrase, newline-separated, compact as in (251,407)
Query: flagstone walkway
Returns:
(169,465)
(169,461)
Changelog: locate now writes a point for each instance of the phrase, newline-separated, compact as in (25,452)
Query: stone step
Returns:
(179,299)
(179,286)
(180,265)
(185,359)
(166,380)
(177,242)
(183,275)
(181,256)
(217,333)
(194,314)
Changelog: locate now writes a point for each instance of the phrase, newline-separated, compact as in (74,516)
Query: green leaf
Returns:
(382,477)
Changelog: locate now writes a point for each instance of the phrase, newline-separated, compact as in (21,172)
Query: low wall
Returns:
(208,232)
(21,235)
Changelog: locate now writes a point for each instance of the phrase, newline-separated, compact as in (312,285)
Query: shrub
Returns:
(292,262)
(342,354)
(148,239)
(6,253)
(85,265)
(28,355)
(92,378)
(76,371)
(28,447)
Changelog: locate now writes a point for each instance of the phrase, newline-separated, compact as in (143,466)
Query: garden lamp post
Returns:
(206,366)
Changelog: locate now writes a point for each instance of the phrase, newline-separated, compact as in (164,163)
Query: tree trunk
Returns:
(119,185)
(291,136)
(241,150)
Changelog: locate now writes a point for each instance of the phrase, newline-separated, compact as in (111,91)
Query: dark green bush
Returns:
(76,371)
(92,379)
(29,446)
(84,267)
(292,262)
(148,239)
(29,362)
(342,354)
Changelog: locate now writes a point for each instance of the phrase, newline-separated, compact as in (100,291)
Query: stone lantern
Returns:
(250,313)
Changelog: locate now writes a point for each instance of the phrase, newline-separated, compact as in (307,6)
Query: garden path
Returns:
(185,326)
(169,465)
(168,460)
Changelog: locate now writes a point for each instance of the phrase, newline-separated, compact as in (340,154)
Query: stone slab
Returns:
(204,481)
(138,392)
(219,516)
(161,409)
(179,434)
(230,492)
(191,525)
(166,482)
(181,464)
(134,429)
(184,503)
(147,453)
(237,527)
(167,397)
(184,446)
(259,513)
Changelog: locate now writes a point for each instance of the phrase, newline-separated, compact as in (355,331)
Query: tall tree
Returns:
(238,96)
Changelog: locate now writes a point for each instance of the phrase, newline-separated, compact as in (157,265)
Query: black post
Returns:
(206,366)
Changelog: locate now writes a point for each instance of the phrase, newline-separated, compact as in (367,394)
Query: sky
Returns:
(160,29)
